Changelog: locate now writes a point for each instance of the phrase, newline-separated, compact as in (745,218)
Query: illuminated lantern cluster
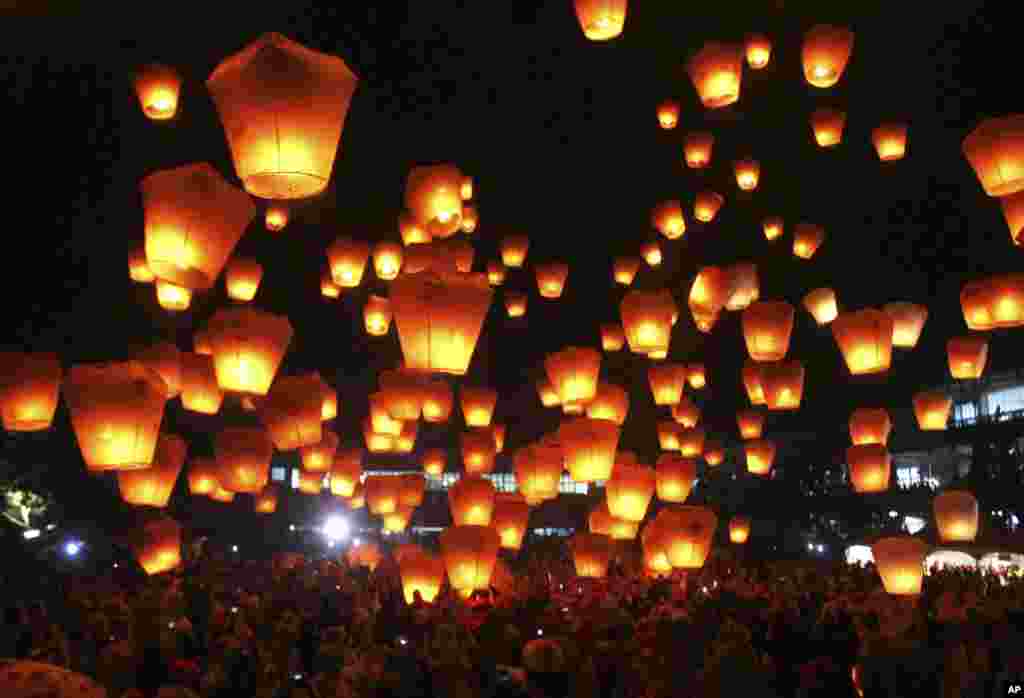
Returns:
(967,357)
(822,305)
(956,516)
(647,320)
(782,383)
(870,426)
(422,573)
(382,494)
(573,373)
(739,530)
(551,279)
(751,424)
(242,279)
(243,459)
(674,478)
(624,270)
(610,402)
(591,553)
(908,322)
(825,53)
(511,513)
(248,346)
(759,51)
(865,338)
(377,315)
(513,250)
(629,490)
(748,174)
(870,466)
(601,20)
(668,219)
(767,326)
(160,548)
(996,302)
(469,553)
(478,451)
(760,455)
(931,408)
(346,471)
(890,141)
(707,205)
(900,563)
(283,107)
(347,259)
(716,72)
(152,486)
(697,149)
(292,411)
(588,446)
(157,87)
(827,126)
(668,114)
(995,149)
(29,386)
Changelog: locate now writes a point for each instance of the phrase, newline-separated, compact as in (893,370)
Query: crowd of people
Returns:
(325,629)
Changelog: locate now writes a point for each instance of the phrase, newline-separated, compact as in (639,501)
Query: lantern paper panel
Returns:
(478,451)
(807,238)
(202,476)
(707,205)
(319,457)
(387,260)
(908,321)
(865,338)
(890,141)
(610,402)
(739,530)
(511,513)
(751,424)
(346,471)
(748,174)
(276,218)
(551,279)
(956,516)
(165,359)
(651,253)
(624,270)
(647,320)
(612,337)
(870,467)
(967,357)
(668,219)
(248,347)
(752,383)
(686,413)
(471,501)
(629,491)
(152,486)
(689,532)
(266,501)
(172,297)
(495,273)
(138,268)
(1013,212)
(422,575)
(573,372)
(773,227)
(513,250)
(377,315)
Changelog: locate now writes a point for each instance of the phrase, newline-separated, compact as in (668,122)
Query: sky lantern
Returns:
(471,501)
(158,87)
(138,268)
(276,218)
(377,315)
(538,470)
(668,114)
(739,530)
(116,410)
(686,413)
(243,458)
(495,273)
(668,435)
(624,270)
(346,471)
(767,327)
(932,410)
(890,141)
(783,384)
(647,320)
(319,457)
(870,466)
(759,51)
(603,523)
(222,495)
(29,386)
(460,252)
(380,417)
(751,424)
(865,338)
(716,71)
(908,322)
(691,442)
(266,501)
(387,260)
(995,149)
(689,531)
(629,491)
(967,356)
(807,238)
(470,219)
(438,402)
(748,173)
(654,543)
(710,291)
(201,343)
(513,250)
(466,188)
(248,346)
(610,402)
(697,149)
(242,279)
(651,253)
(199,390)
(743,286)
(696,376)
(411,489)
(165,359)
(667,381)
(478,451)
(870,426)
(382,493)
(573,372)
(827,125)
(193,220)
(411,231)
(499,431)
(329,400)
(152,486)
(1013,211)
(612,337)
(421,573)
(821,304)
(752,383)
(478,405)
(551,279)
(674,477)
(202,476)
(329,289)
(996,302)
(825,53)
(358,498)
(400,395)
(377,442)
(760,456)
(366,554)
(310,482)
(714,453)
(434,461)
(601,20)
(707,205)
(470,554)
(668,219)
(591,553)
(773,228)
(511,513)
(291,412)
(172,297)
(283,107)
(159,548)
(588,446)
(900,564)
(347,259)
(956,516)
(439,317)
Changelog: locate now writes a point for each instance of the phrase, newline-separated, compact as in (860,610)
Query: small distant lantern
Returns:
(707,205)
(956,516)
(511,513)
(346,471)
(438,402)
(242,278)
(380,417)
(629,491)
(291,412)
(783,384)
(347,259)
(828,125)
(668,435)
(589,447)
(900,564)
(495,273)
(870,466)
(421,573)
(434,462)
(329,402)
(573,372)
(538,470)
(400,395)
(759,51)
(821,304)
(667,381)
(714,453)
(908,322)
(165,359)
(865,339)
(602,522)
(29,386)
(276,218)
(471,500)
(377,442)
(513,250)
(551,279)
(412,487)
(751,424)
(365,555)
(647,320)
(157,87)
(160,548)
(470,554)
(716,71)
(825,53)
(152,486)
(201,343)
(767,326)
(752,383)
(387,260)
(807,238)
(624,270)
(995,149)
(668,219)
(610,403)
(689,532)
(773,228)
(870,426)
(329,289)
(243,459)
(748,174)
(668,114)
(651,252)
(478,406)
(248,346)
(466,188)
(266,501)
(478,451)
(739,530)
(499,432)
(967,357)
(612,337)
(405,442)
(199,390)
(675,477)
(1013,211)
(696,376)
(202,476)
(382,494)
(601,20)
(319,457)
(743,286)
(470,219)
(138,268)
(890,141)
(697,149)
(996,302)
(760,456)
(686,413)
(377,315)
(172,297)
(548,395)
(691,442)
(411,231)
(932,410)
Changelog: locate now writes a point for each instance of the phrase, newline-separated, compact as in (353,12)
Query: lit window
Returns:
(908,476)
(1006,400)
(278,474)
(295,478)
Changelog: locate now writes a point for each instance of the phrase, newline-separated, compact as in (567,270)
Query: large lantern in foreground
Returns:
(995,149)
(160,548)
(674,478)
(697,149)
(573,372)
(29,385)
(870,467)
(248,346)
(469,553)
(433,193)
(116,410)
(291,412)
(907,323)
(827,126)
(767,326)
(347,259)
(825,53)
(716,71)
(157,87)
(283,107)
(243,459)
(647,320)
(932,410)
(439,318)
(511,513)
(821,304)
(900,563)
(865,339)
(152,486)
(589,447)
(870,426)
(591,553)
(689,532)
(956,516)
(421,573)
(967,357)
(996,302)
(760,455)
(739,530)
(629,491)
(783,384)
(601,20)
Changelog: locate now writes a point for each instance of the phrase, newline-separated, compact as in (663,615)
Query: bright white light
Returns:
(330,544)
(810,546)
(72,548)
(914,524)
(50,527)
(31,533)
(356,542)
(291,527)
(821,548)
(234,548)
(893,513)
(335,528)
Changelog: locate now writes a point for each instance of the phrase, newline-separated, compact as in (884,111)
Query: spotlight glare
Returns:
(72,548)
(335,528)
(31,533)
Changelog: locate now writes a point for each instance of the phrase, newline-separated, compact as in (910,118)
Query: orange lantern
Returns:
(759,51)
(538,470)
(707,205)
(667,381)
(697,149)
(291,412)
(691,442)
(773,228)
(434,462)
(783,384)
(714,454)
(380,416)
(651,253)
(624,270)
(411,231)
(908,322)
(900,564)
(612,337)
(588,446)
(716,71)
(478,406)
(686,413)
(515,303)
(152,486)
(767,326)
(689,531)
(248,346)
(870,466)
(138,269)
(387,260)
(346,471)
(29,385)
(276,218)
(751,424)
(890,141)
(601,20)
(828,125)
(382,494)
(551,279)
(495,273)
(319,457)
(511,513)
(347,259)
(202,476)
(478,451)
(668,435)
(709,292)
(825,53)
(412,487)
(956,516)
(932,410)
(743,286)
(865,339)
(377,316)
(870,426)
(439,317)
(821,304)
(159,550)
(422,573)
(548,395)
(242,279)
(748,174)
(603,523)
(513,250)
(1013,211)
(807,238)
(573,372)
(283,107)
(401,395)
(116,410)
(466,188)
(629,491)
(157,87)
(994,303)
(610,403)
(438,402)
(377,442)
(675,477)
(471,501)
(654,543)
(222,495)
(266,501)
(165,359)
(329,289)
(647,320)
(243,459)
(469,553)
(470,219)
(668,114)
(739,530)
(365,555)
(967,357)
(752,383)
(329,400)
(172,297)
(668,219)
(498,431)
(760,455)
(358,498)
(995,149)
(696,376)
(591,553)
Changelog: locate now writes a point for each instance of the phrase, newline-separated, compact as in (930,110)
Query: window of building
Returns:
(278,473)
(569,486)
(503,482)
(1006,400)
(295,478)
(553,531)
(965,413)
(908,476)
(442,482)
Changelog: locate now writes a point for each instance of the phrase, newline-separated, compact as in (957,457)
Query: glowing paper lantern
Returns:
(202,476)
(411,231)
(283,107)
(932,410)
(276,218)
(329,400)
(157,87)
(495,273)
(29,386)
(714,454)
(248,346)
(222,495)
(908,322)
(199,390)
(291,412)
(807,238)
(739,530)
(752,383)
(421,573)
(159,550)
(956,515)
(825,53)
(759,51)
(382,494)
(651,253)
(319,457)
(697,149)
(165,359)
(365,555)
(707,205)
(647,320)
(243,459)
(967,357)
(438,402)
(629,491)
(610,403)
(686,413)
(624,270)
(433,193)
(387,260)
(515,304)
(668,114)
(138,269)
(347,259)
(612,337)
(242,279)
(538,471)
(588,446)
(828,125)
(411,488)
(601,20)
(996,302)
(116,410)
(709,292)
(471,501)
(152,486)
(573,373)
(377,316)
(401,395)
(668,219)
(603,523)
(591,553)
(865,339)
(696,376)
(434,462)
(870,466)
(551,279)
(900,564)
(478,451)
(821,304)
(743,286)
(547,394)
(890,141)
(767,327)
(1013,211)
(470,219)
(783,384)
(716,71)
(329,289)
(346,471)
(691,442)
(654,542)
(377,442)
(667,381)
(995,149)
(751,424)
(870,426)
(675,477)
(266,501)
(439,317)
(469,553)
(478,405)
(513,250)
(511,513)
(748,173)
(760,455)
(689,531)
(498,431)
(773,228)
(668,435)
(172,297)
